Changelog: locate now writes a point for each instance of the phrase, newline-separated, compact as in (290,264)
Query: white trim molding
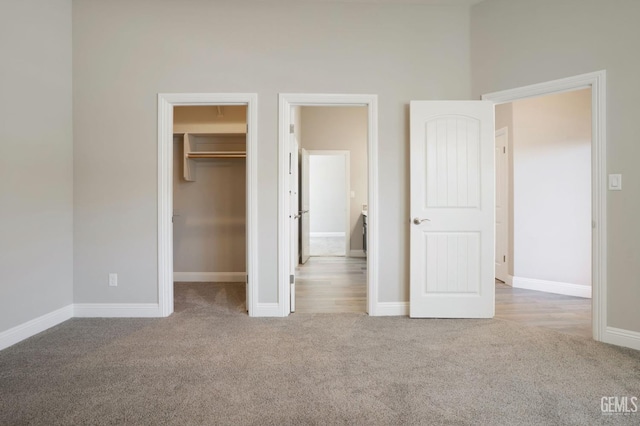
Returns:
(597,81)
(392,309)
(620,337)
(210,277)
(166,102)
(37,325)
(117,310)
(268,310)
(327,234)
(357,253)
(555,287)
(285,102)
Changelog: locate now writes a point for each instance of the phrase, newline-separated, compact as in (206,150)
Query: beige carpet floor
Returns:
(210,364)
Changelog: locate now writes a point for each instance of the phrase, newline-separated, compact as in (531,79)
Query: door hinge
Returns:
(291,279)
(292,128)
(247,279)
(504,149)
(504,258)
(289,163)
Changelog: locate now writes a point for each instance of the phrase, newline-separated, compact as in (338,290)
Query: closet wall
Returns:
(209,239)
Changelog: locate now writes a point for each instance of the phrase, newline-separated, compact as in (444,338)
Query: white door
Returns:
(452,209)
(502,232)
(305,229)
(293,215)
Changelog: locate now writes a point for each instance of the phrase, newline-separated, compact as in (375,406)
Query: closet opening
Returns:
(209,207)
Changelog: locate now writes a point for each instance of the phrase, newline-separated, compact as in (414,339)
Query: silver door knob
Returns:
(418,221)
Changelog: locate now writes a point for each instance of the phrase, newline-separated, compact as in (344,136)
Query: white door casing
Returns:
(166,102)
(452,209)
(286,101)
(305,228)
(502,203)
(597,81)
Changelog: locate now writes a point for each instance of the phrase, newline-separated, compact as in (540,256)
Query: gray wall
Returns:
(342,128)
(517,42)
(126,51)
(36,177)
(209,231)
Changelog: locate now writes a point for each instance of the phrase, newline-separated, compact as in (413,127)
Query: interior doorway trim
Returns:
(166,102)
(286,101)
(597,82)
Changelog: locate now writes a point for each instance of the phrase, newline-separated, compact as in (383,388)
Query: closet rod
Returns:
(217,154)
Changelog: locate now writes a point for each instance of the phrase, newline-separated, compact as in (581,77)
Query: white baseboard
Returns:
(326,234)
(390,309)
(357,253)
(553,287)
(620,337)
(214,277)
(37,325)
(117,310)
(267,310)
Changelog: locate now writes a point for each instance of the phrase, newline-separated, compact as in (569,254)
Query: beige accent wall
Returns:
(36,176)
(126,52)
(551,183)
(210,213)
(516,42)
(342,128)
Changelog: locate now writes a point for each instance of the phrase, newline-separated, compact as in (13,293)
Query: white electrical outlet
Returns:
(113,280)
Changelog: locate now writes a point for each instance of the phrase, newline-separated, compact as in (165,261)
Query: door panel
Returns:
(452,204)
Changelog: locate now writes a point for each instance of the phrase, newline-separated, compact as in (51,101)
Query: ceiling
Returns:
(426,2)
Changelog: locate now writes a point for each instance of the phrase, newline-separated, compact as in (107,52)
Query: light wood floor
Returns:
(331,284)
(338,284)
(567,314)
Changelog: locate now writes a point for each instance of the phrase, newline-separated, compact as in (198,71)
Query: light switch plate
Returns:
(615,182)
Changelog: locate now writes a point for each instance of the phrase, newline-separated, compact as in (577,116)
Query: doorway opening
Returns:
(330,265)
(209,206)
(321,132)
(543,211)
(591,87)
(207,180)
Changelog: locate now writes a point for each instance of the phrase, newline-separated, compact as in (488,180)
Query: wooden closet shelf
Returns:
(216,154)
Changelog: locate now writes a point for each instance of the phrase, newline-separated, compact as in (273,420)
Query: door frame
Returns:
(597,82)
(346,155)
(505,188)
(285,102)
(166,102)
